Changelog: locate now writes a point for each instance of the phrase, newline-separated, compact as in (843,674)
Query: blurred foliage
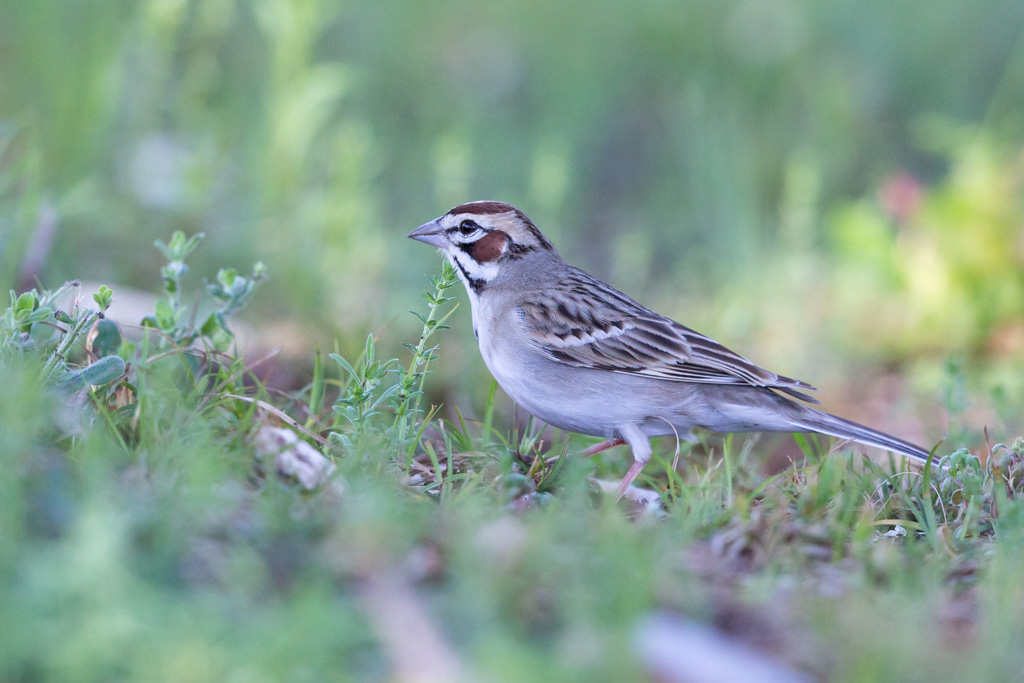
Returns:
(664,145)
(941,267)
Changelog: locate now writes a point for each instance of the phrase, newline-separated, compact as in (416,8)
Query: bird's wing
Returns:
(585,323)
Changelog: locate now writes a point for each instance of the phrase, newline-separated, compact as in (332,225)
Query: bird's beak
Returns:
(430,233)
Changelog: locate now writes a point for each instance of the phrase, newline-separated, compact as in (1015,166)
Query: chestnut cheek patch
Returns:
(489,247)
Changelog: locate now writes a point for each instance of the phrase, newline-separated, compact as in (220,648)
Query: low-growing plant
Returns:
(367,391)
(77,347)
(34,325)
(176,321)
(184,445)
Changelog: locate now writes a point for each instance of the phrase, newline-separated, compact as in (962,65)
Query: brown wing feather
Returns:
(612,332)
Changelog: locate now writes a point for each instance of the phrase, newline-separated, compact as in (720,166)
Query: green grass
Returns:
(144,535)
(819,185)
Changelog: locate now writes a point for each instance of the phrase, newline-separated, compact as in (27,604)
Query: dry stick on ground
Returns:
(281,415)
(414,644)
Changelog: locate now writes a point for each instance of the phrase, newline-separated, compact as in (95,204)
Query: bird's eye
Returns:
(468,227)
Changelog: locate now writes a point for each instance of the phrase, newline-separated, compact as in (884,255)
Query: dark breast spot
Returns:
(489,247)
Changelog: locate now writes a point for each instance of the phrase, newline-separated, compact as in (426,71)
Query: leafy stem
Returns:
(412,377)
(82,323)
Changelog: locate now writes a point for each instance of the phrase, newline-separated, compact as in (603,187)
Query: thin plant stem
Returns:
(409,398)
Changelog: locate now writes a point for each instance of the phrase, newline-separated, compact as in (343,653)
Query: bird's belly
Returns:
(587,401)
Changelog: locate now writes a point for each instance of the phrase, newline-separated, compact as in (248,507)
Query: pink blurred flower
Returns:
(900,195)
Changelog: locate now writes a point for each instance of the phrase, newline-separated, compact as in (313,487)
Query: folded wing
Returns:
(585,323)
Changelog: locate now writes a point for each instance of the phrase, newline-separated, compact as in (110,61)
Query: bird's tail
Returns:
(817,421)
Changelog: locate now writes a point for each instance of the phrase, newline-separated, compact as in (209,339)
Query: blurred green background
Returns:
(835,189)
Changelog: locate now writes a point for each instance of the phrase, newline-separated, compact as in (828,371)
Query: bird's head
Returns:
(481,238)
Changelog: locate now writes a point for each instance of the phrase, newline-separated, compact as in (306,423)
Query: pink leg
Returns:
(641,447)
(603,446)
(631,474)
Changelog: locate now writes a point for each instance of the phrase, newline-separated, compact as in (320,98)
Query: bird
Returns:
(582,356)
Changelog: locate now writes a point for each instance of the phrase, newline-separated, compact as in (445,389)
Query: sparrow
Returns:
(584,357)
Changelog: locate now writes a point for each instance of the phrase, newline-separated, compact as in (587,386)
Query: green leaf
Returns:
(165,317)
(209,325)
(192,243)
(226,277)
(103,371)
(103,298)
(107,339)
(345,365)
(29,301)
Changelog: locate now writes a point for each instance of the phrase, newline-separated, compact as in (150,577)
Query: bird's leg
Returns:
(603,446)
(641,447)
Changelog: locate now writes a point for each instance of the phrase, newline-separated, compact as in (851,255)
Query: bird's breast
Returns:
(485,322)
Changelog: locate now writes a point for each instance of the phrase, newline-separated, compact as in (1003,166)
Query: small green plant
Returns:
(77,346)
(231,292)
(25,311)
(366,393)
(412,377)
(364,396)
(965,499)
(176,251)
(34,324)
(1007,465)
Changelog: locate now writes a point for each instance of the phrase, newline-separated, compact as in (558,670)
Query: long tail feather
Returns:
(825,423)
